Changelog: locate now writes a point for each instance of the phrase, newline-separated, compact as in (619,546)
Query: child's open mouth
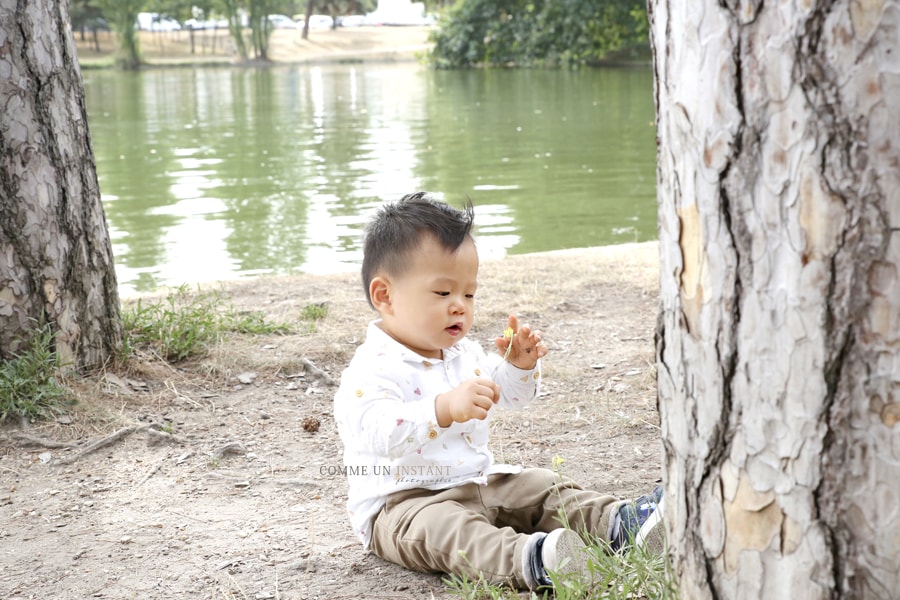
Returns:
(454,330)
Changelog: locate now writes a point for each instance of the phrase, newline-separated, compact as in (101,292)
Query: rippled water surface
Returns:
(218,173)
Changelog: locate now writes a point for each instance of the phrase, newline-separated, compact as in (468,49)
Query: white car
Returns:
(351,21)
(320,22)
(196,24)
(282,22)
(154,22)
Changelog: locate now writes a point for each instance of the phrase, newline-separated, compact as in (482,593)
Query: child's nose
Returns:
(458,306)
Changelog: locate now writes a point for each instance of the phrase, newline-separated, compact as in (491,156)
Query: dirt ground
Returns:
(222,484)
(351,44)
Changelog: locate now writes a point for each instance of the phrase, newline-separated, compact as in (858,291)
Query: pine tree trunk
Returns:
(56,261)
(779,333)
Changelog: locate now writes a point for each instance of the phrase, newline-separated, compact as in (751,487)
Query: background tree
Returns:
(182,11)
(779,333)
(538,32)
(232,11)
(122,14)
(87,18)
(56,263)
(310,7)
(260,26)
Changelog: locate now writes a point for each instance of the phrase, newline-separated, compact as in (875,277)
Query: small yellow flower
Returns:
(557,462)
(508,333)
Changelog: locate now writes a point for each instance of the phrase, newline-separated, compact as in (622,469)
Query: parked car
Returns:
(282,22)
(320,22)
(351,21)
(156,22)
(197,24)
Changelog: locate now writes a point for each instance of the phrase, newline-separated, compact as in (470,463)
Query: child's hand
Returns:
(520,345)
(472,399)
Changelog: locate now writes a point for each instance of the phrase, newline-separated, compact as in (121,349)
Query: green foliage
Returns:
(537,32)
(231,9)
(632,575)
(344,7)
(260,26)
(183,325)
(122,14)
(28,384)
(314,312)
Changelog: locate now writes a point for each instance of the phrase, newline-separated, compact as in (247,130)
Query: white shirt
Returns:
(386,418)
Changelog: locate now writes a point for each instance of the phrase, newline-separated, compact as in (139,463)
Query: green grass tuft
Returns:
(184,325)
(254,323)
(314,312)
(29,386)
(633,575)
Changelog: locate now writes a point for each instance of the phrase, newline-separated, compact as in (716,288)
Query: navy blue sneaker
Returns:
(640,522)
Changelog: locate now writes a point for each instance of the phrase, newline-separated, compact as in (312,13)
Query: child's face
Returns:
(431,306)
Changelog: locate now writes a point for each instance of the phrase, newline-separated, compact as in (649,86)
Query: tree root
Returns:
(156,436)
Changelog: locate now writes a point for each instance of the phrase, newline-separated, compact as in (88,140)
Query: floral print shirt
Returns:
(385,415)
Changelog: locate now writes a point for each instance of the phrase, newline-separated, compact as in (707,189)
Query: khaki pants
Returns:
(478,530)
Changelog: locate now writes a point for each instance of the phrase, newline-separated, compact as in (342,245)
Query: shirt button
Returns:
(537,375)
(478,372)
(432,434)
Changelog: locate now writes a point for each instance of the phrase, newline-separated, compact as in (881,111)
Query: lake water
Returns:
(222,173)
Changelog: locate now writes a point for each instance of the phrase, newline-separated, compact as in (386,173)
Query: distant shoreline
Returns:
(286,47)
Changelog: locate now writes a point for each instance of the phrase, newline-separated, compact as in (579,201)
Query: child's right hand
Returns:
(472,399)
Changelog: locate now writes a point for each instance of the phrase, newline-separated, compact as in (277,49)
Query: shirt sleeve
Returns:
(387,423)
(518,387)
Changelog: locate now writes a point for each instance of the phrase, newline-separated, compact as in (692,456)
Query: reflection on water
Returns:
(215,174)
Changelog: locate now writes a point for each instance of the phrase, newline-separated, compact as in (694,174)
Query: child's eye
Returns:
(470,296)
(442,293)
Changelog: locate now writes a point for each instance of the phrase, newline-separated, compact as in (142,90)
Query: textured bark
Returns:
(56,260)
(779,332)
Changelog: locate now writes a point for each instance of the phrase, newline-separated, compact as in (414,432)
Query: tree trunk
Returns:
(778,343)
(56,261)
(235,26)
(310,5)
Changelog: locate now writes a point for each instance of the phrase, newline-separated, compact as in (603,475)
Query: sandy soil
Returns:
(221,483)
(351,44)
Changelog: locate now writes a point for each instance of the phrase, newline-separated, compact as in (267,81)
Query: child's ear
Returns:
(380,293)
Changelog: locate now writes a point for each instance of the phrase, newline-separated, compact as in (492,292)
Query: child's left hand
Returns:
(523,347)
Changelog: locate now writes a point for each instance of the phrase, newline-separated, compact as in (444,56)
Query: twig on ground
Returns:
(297,482)
(36,441)
(103,442)
(179,396)
(223,476)
(316,372)
(157,435)
(150,474)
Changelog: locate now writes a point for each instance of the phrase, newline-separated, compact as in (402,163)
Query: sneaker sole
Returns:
(566,554)
(652,535)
